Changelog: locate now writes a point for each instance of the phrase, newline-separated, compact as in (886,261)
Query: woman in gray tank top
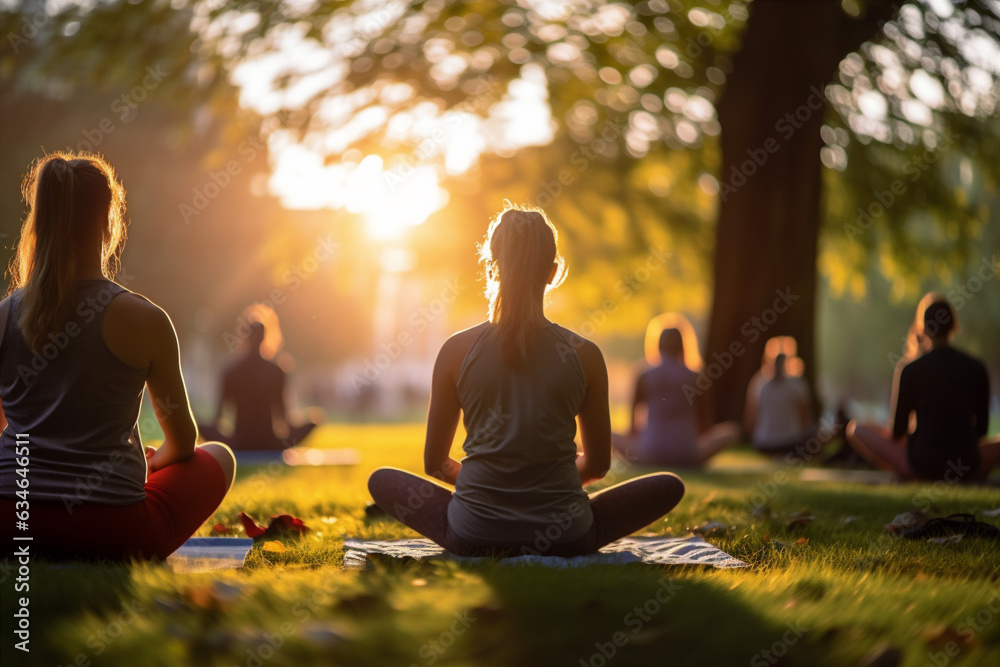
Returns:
(77,350)
(521,383)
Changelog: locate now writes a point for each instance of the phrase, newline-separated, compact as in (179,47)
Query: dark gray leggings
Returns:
(618,511)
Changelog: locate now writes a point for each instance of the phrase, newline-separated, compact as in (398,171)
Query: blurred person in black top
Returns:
(940,412)
(254,387)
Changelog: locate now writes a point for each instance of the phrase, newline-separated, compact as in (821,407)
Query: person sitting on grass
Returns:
(948,393)
(677,430)
(255,388)
(521,382)
(780,417)
(76,351)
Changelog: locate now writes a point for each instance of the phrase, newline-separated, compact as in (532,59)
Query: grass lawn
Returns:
(846,591)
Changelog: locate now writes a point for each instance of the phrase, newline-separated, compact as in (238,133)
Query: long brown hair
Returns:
(70,196)
(520,250)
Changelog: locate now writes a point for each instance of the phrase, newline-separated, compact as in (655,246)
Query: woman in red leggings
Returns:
(76,352)
(521,382)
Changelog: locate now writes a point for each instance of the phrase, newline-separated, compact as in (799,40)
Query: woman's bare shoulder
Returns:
(458,344)
(587,350)
(137,311)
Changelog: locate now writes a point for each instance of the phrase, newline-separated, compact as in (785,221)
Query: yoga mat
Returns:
(361,554)
(208,554)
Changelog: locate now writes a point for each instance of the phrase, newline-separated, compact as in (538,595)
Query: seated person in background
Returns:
(676,430)
(780,419)
(255,388)
(94,490)
(786,345)
(915,344)
(948,391)
(523,384)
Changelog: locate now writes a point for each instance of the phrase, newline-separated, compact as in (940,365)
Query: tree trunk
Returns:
(769,214)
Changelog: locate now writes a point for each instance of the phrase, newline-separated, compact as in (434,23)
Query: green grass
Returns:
(848,591)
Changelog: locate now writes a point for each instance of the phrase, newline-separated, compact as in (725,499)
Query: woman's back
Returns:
(949,390)
(671,426)
(779,411)
(519,474)
(78,403)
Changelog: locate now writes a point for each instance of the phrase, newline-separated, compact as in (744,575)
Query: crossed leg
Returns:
(876,445)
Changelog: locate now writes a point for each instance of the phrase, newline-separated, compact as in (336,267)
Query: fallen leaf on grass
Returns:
(799,521)
(948,539)
(709,498)
(281,524)
(221,529)
(275,546)
(849,519)
(938,636)
(802,540)
(990,513)
(218,596)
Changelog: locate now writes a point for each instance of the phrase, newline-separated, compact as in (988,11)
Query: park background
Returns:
(340,162)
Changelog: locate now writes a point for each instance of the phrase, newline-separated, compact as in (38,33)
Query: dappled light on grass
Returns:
(849,587)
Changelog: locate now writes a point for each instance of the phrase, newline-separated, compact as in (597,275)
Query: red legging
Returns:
(179,499)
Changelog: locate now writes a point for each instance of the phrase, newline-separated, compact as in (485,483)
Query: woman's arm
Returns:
(167,391)
(595,417)
(442,417)
(638,398)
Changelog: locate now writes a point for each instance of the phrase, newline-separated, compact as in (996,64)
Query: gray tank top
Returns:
(79,405)
(519,478)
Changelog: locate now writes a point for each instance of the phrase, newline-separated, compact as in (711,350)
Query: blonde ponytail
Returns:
(519,253)
(69,196)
